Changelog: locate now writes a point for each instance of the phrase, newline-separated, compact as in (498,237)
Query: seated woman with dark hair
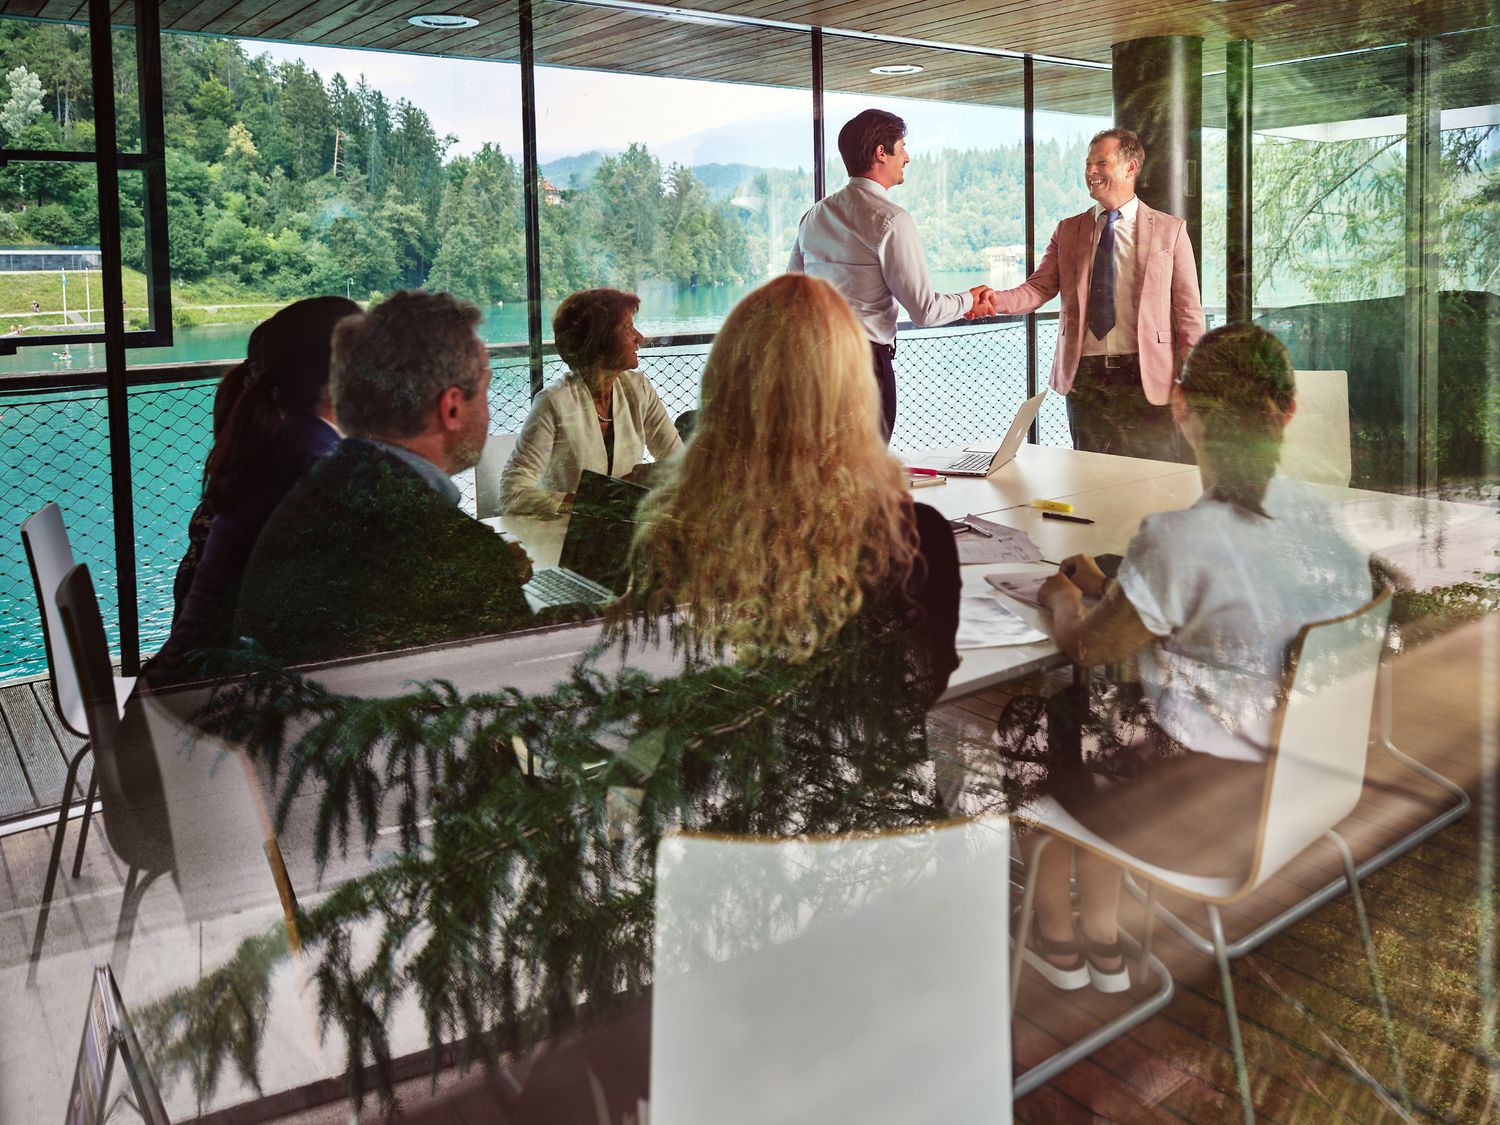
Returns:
(785,526)
(278,427)
(1207,601)
(602,416)
(226,394)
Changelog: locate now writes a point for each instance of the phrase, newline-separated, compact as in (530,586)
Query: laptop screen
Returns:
(597,545)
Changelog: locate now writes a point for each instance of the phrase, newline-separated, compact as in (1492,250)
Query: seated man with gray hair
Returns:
(371,551)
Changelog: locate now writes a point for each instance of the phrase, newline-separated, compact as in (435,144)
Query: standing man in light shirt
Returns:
(1130,308)
(868,248)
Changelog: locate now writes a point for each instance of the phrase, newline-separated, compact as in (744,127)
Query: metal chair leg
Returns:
(1028,899)
(52,865)
(1241,1069)
(83,831)
(1145,967)
(1397,1067)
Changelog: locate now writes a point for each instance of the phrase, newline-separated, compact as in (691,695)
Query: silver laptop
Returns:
(983,464)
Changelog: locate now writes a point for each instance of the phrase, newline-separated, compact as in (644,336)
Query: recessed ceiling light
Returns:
(897,68)
(442,22)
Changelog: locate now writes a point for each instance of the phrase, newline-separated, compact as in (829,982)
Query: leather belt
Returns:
(1123,359)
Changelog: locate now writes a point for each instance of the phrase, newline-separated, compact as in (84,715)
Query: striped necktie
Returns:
(1101,316)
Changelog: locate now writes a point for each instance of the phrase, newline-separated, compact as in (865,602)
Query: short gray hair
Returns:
(391,363)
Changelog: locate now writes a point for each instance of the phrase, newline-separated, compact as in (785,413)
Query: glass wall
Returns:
(1468,408)
(1072,104)
(966,190)
(683,186)
(1213,181)
(1329,205)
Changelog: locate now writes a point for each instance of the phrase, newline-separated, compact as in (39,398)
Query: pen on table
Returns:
(922,472)
(965,525)
(1063,516)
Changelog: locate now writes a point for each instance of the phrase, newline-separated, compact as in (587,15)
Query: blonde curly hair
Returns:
(766,533)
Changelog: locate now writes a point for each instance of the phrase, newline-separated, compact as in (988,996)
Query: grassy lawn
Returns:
(192,302)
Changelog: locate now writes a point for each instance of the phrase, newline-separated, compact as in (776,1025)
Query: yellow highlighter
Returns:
(1051,506)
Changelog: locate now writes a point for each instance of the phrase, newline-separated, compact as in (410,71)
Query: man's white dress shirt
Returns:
(868,249)
(1121,338)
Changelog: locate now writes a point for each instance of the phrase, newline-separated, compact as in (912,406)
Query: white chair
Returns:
(50,556)
(838,979)
(1316,774)
(497,450)
(172,804)
(1315,445)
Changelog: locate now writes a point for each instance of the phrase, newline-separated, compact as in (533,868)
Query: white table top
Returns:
(1436,542)
(1039,472)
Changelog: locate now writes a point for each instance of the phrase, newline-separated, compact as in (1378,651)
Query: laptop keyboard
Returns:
(556,586)
(972,463)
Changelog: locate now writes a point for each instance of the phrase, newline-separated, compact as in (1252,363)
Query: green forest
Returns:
(289,185)
(282,185)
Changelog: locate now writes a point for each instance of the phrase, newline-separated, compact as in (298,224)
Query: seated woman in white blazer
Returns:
(601,416)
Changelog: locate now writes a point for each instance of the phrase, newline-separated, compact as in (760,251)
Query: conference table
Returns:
(1444,541)
(1433,542)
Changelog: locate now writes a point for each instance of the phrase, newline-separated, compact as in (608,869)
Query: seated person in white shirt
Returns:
(1207,601)
(601,416)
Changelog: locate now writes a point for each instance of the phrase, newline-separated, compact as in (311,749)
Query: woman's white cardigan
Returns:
(561,438)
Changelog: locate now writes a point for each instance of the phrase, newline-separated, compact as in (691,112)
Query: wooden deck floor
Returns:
(35,749)
(1312,1028)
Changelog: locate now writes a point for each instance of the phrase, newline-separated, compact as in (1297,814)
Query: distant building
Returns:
(552,195)
(1007,266)
(29,259)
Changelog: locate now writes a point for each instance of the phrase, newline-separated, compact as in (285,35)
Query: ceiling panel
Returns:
(576,35)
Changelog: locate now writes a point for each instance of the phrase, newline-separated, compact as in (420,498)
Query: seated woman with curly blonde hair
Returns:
(785,522)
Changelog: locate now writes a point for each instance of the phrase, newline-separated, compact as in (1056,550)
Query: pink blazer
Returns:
(1169,316)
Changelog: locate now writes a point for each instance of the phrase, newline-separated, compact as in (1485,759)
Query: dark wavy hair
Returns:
(285,372)
(1238,381)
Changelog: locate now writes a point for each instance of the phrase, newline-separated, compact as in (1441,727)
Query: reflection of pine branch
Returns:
(1278,251)
(511,898)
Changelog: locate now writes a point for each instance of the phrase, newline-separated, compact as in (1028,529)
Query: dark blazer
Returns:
(364,556)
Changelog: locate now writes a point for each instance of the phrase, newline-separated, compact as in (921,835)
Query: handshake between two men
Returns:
(984,303)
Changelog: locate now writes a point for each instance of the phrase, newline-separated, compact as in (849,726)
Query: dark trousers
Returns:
(1108,413)
(885,378)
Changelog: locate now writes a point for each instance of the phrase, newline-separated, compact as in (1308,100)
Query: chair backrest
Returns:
(1322,732)
(497,451)
(50,556)
(130,786)
(846,979)
(1315,445)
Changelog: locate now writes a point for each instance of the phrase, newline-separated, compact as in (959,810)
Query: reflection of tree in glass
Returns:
(512,898)
(1330,215)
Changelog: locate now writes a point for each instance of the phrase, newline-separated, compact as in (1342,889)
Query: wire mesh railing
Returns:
(956,385)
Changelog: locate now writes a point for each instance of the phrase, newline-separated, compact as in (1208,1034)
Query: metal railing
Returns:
(955,385)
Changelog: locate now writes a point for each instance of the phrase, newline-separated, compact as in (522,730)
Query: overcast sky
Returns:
(687,122)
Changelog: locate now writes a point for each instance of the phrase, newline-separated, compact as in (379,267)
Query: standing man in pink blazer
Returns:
(1130,308)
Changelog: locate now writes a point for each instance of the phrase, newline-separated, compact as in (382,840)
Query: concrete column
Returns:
(1158,88)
